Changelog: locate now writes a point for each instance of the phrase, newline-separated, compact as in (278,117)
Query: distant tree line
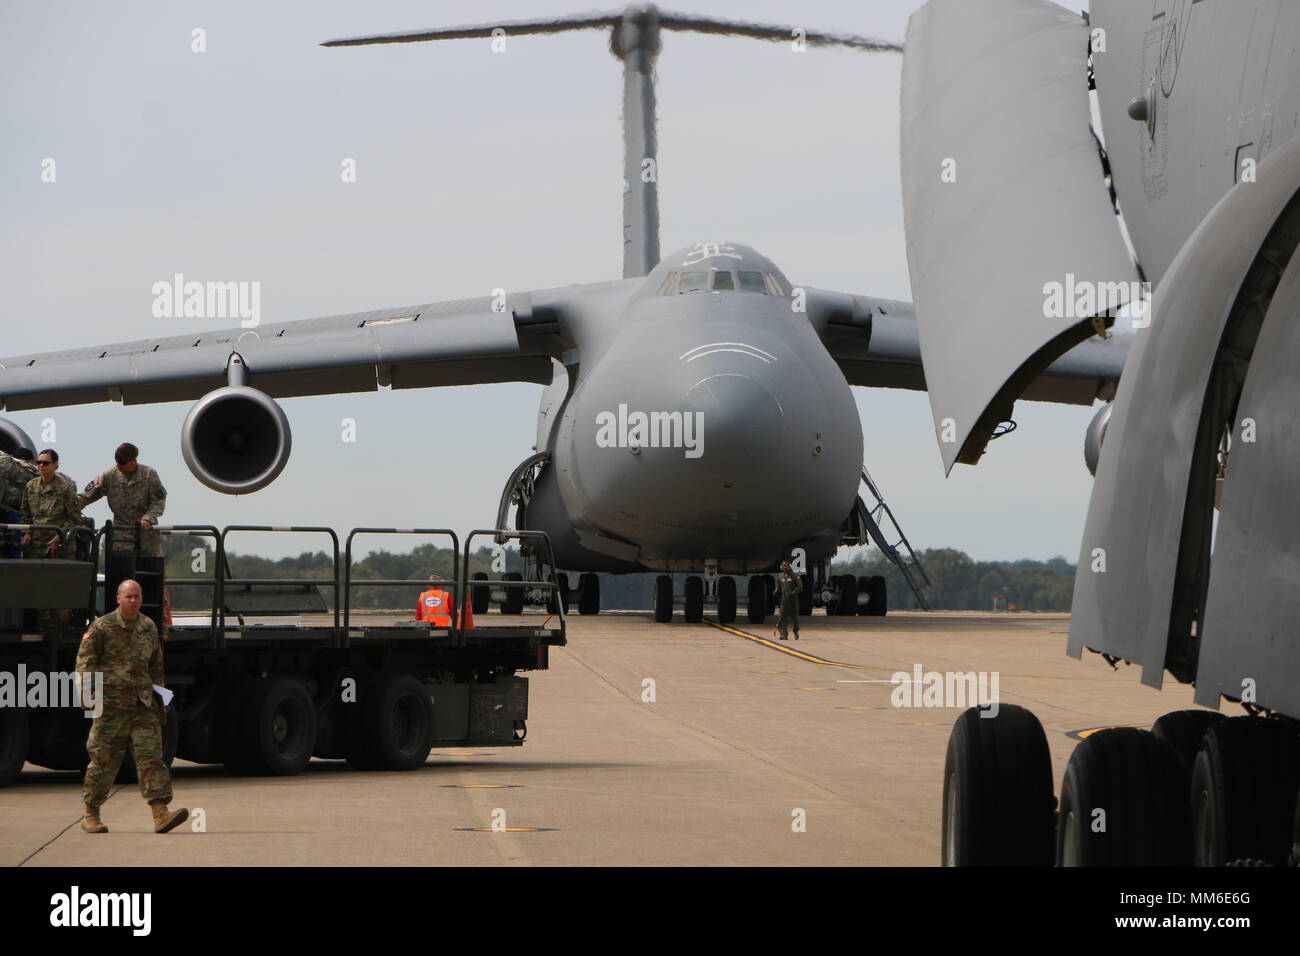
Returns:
(958,583)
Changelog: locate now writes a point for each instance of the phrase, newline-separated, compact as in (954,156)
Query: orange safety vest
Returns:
(435,607)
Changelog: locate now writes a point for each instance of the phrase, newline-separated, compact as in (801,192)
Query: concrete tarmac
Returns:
(647,744)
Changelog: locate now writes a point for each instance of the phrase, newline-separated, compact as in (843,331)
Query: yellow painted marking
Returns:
(1085,734)
(481,786)
(862,708)
(504,829)
(812,688)
(814,659)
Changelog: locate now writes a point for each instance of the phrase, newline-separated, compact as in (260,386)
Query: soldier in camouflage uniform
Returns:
(788,587)
(15,472)
(137,497)
(124,646)
(50,500)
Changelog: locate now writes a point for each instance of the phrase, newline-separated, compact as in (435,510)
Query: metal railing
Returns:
(459,594)
(547,559)
(334,582)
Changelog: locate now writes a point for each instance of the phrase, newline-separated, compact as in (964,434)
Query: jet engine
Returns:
(13,437)
(1093,438)
(236,440)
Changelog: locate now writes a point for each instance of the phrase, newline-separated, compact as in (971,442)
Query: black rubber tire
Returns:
(390,727)
(997,791)
(1295,834)
(1137,779)
(769,582)
(229,723)
(663,599)
(57,739)
(726,600)
(877,596)
(480,596)
(171,735)
(1183,730)
(514,597)
(846,604)
(560,596)
(864,596)
(806,595)
(14,738)
(275,728)
(1243,793)
(589,593)
(693,605)
(758,599)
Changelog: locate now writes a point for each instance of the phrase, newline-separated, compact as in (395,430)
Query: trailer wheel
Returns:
(393,729)
(727,600)
(693,610)
(480,595)
(589,594)
(997,794)
(1243,797)
(514,601)
(275,728)
(663,599)
(1123,803)
(14,737)
(758,599)
(1184,730)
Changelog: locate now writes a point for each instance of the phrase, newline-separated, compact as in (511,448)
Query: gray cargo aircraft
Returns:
(696,416)
(1198,105)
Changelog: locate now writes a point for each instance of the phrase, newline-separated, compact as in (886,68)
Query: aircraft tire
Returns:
(864,595)
(846,604)
(726,600)
(759,598)
(562,580)
(273,732)
(1243,793)
(1184,730)
(693,610)
(514,600)
(480,596)
(878,596)
(589,594)
(663,599)
(806,595)
(997,794)
(14,738)
(1137,779)
(769,582)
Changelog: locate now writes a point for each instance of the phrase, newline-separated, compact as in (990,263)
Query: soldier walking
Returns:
(137,497)
(50,500)
(15,472)
(124,646)
(788,587)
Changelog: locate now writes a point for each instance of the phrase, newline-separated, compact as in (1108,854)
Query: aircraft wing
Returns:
(459,342)
(876,343)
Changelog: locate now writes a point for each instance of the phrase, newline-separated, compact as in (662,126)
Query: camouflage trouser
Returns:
(138,726)
(789,616)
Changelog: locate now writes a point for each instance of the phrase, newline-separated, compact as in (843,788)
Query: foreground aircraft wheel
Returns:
(759,599)
(877,597)
(769,582)
(480,597)
(806,596)
(1183,730)
(997,793)
(846,600)
(1123,803)
(391,725)
(562,580)
(694,605)
(589,594)
(726,600)
(514,600)
(274,728)
(864,595)
(171,736)
(14,736)
(663,599)
(1244,784)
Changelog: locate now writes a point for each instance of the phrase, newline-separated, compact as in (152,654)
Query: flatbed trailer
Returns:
(264,698)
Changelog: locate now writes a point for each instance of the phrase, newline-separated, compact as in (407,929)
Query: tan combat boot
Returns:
(91,822)
(164,819)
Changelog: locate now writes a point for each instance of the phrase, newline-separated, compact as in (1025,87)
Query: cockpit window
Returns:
(752,282)
(694,282)
(773,287)
(723,282)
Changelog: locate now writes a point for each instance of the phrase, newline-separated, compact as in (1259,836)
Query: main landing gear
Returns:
(1197,788)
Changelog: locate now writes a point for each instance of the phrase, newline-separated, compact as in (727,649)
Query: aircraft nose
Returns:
(742,423)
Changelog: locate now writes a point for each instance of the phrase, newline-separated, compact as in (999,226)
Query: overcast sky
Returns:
(474,171)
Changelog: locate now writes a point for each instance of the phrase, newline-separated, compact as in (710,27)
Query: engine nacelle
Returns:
(236,440)
(1093,438)
(13,437)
